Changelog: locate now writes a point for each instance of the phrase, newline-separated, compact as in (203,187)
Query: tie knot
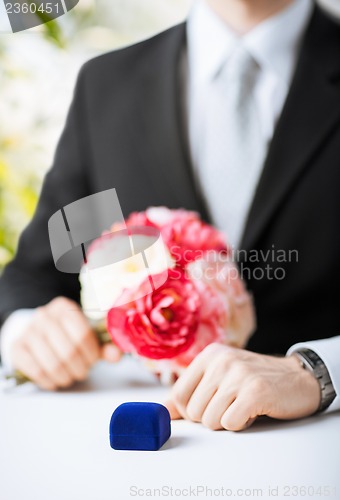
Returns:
(242,67)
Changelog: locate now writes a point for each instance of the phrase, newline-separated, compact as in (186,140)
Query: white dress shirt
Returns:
(210,43)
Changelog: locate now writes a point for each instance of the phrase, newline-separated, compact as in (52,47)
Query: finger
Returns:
(200,398)
(48,360)
(110,353)
(174,413)
(75,363)
(240,414)
(186,385)
(77,327)
(24,361)
(216,407)
(215,373)
(83,337)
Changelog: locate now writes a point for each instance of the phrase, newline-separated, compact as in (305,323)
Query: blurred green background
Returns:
(38,69)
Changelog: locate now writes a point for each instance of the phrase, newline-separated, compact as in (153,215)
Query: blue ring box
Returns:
(139,426)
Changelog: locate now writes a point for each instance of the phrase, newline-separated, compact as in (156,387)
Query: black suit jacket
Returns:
(124,130)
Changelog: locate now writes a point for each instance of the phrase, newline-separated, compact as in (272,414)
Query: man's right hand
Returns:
(58,347)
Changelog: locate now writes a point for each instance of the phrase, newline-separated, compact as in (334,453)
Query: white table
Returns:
(55,446)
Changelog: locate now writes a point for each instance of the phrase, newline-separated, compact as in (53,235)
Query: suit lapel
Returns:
(311,111)
(159,118)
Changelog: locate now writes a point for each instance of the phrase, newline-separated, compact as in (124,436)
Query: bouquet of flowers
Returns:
(162,286)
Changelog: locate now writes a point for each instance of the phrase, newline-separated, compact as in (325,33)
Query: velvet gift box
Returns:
(139,426)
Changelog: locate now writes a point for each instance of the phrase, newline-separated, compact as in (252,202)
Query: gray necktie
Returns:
(233,148)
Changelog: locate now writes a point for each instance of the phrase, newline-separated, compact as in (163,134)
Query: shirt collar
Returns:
(211,41)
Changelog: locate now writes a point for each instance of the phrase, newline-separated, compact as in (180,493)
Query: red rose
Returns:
(159,325)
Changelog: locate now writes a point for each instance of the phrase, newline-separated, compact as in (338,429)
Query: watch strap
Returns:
(312,362)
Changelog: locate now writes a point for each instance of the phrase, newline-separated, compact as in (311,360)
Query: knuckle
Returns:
(209,351)
(66,382)
(95,352)
(81,372)
(32,335)
(212,377)
(229,352)
(240,368)
(57,367)
(212,348)
(18,346)
(38,374)
(70,354)
(81,376)
(178,396)
(60,302)
(85,335)
(211,423)
(40,313)
(225,358)
(62,377)
(229,424)
(220,365)
(193,414)
(259,385)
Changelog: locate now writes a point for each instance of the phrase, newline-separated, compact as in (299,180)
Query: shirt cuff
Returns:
(11,330)
(329,351)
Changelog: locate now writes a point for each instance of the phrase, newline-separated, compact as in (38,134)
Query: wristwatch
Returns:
(312,362)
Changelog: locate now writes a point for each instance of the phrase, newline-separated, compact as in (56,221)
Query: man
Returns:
(236,115)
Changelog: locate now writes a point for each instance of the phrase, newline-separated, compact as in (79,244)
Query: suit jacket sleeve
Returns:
(31,279)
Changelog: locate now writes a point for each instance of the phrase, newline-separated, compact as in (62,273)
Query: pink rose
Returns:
(186,235)
(223,276)
(139,219)
(159,216)
(189,239)
(159,325)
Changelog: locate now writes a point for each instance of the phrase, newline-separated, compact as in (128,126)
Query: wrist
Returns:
(312,363)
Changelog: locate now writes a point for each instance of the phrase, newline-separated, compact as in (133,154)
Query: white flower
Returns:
(119,262)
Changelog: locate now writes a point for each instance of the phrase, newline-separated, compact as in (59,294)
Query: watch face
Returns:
(20,15)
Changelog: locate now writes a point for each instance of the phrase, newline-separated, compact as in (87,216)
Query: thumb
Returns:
(110,353)
(174,413)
